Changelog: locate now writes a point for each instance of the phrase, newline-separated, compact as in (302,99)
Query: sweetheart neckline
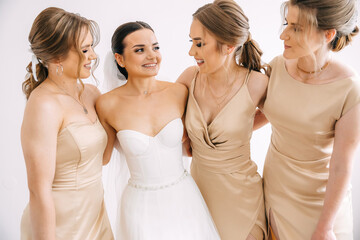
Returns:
(89,123)
(131,130)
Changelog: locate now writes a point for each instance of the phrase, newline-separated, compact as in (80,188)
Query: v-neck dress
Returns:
(222,166)
(303,118)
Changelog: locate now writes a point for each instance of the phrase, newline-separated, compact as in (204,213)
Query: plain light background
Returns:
(171,21)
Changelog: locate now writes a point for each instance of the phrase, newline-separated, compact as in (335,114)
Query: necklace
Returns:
(222,97)
(64,91)
(312,72)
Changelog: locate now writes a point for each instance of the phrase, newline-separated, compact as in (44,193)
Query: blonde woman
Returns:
(313,106)
(62,140)
(225,88)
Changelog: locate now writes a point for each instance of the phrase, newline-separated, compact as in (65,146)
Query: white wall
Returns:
(171,21)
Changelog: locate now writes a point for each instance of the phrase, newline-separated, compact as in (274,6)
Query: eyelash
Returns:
(157,48)
(295,28)
(86,50)
(198,44)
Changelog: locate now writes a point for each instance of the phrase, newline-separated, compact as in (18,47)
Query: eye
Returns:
(85,51)
(139,50)
(199,44)
(157,48)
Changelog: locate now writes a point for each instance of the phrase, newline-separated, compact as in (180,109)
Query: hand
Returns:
(323,235)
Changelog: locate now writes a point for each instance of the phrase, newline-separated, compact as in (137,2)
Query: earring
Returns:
(59,72)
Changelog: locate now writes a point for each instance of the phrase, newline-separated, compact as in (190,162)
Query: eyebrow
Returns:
(87,45)
(195,38)
(143,45)
(294,24)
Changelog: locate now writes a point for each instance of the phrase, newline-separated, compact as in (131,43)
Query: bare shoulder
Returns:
(108,101)
(187,76)
(258,81)
(92,91)
(43,107)
(177,89)
(43,101)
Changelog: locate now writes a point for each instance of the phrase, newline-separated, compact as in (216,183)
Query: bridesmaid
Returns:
(224,91)
(313,106)
(62,140)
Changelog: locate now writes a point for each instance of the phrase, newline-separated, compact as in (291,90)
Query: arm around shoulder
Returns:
(187,76)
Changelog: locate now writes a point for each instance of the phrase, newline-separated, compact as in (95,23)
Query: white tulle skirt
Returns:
(174,211)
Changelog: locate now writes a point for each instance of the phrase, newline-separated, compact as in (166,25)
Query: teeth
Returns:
(199,61)
(150,65)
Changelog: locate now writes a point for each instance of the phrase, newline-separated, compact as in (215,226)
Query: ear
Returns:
(228,49)
(120,59)
(330,35)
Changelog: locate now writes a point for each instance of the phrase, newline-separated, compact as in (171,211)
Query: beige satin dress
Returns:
(77,187)
(222,167)
(303,118)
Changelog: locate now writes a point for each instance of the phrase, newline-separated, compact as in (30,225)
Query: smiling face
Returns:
(299,40)
(205,50)
(71,62)
(141,56)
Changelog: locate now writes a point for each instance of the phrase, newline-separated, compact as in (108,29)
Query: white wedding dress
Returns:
(161,200)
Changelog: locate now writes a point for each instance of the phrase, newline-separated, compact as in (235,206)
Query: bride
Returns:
(161,200)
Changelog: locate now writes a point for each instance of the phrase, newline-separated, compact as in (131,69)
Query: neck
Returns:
(67,84)
(313,64)
(141,86)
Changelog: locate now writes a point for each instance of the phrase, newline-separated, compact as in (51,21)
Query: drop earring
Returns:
(59,72)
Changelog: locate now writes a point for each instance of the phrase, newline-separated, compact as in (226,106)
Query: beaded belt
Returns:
(158,187)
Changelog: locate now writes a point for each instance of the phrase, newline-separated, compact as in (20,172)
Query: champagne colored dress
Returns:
(296,171)
(222,167)
(77,187)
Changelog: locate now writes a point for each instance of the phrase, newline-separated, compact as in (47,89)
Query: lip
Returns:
(286,46)
(149,65)
(199,61)
(87,66)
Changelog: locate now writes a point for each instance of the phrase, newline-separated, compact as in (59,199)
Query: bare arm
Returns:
(183,96)
(347,138)
(187,76)
(102,109)
(260,120)
(41,123)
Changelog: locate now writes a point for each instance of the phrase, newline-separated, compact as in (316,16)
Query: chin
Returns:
(288,56)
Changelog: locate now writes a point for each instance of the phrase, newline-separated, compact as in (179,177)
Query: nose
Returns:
(284,35)
(151,54)
(92,55)
(192,50)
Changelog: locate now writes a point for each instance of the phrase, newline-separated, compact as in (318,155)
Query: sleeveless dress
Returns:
(77,187)
(161,200)
(222,168)
(296,171)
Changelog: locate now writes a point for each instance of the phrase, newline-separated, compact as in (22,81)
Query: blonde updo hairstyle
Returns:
(226,21)
(52,35)
(340,15)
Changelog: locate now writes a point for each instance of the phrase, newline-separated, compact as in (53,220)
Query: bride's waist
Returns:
(155,183)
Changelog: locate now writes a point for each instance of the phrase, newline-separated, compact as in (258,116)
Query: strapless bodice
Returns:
(154,160)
